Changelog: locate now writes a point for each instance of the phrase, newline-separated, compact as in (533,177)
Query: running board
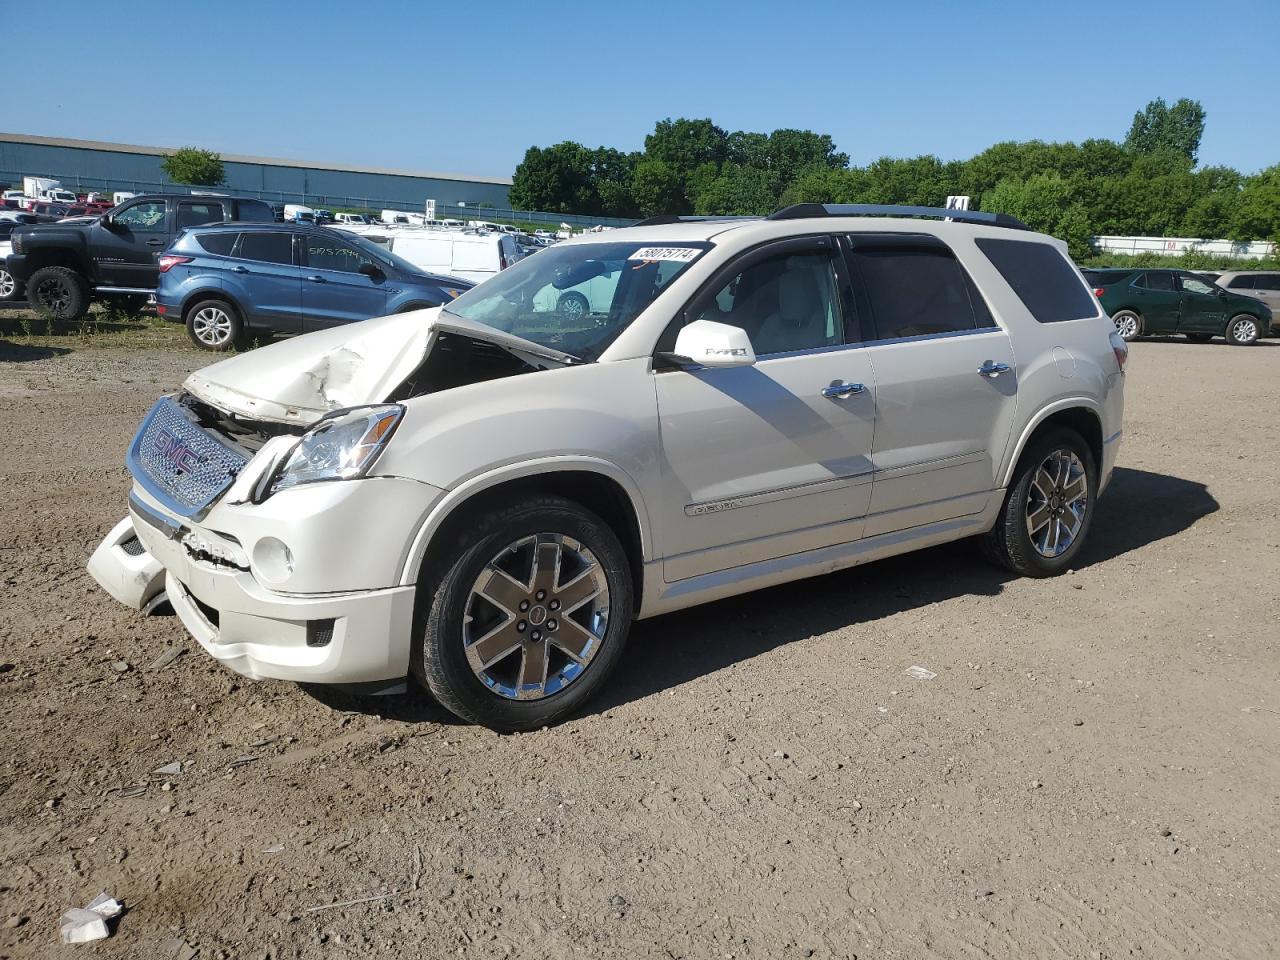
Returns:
(142,290)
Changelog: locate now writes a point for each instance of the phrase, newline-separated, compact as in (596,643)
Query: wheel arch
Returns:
(208,293)
(599,486)
(1080,414)
(40,258)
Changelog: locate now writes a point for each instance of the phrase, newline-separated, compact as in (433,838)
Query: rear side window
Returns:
(1042,278)
(253,211)
(266,247)
(1248,282)
(194,214)
(1266,281)
(219,243)
(917,291)
(1155,280)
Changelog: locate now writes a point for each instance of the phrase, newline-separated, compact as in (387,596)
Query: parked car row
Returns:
(1147,302)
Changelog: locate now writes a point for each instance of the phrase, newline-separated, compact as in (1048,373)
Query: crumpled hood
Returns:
(301,379)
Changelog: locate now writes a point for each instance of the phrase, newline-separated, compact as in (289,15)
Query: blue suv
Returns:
(229,281)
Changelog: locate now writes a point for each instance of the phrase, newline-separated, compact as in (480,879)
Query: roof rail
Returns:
(665,218)
(801,211)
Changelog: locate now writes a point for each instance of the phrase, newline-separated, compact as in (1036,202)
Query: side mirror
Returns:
(109,223)
(714,344)
(371,271)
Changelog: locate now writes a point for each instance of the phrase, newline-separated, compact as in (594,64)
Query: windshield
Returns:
(382,254)
(576,298)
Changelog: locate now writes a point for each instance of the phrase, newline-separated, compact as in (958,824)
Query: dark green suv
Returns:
(1149,302)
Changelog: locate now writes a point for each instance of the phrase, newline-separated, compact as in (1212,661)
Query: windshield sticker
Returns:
(678,254)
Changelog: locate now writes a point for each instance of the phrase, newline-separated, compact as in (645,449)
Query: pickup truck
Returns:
(66,266)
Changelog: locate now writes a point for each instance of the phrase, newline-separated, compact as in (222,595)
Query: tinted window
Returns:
(1041,277)
(917,291)
(254,211)
(326,253)
(194,214)
(266,247)
(219,243)
(1247,282)
(142,216)
(785,303)
(1266,281)
(1155,280)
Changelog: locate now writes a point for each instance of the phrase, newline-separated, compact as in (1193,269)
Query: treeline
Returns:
(1149,184)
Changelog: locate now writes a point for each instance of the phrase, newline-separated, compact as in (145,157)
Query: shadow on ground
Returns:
(24,353)
(1139,508)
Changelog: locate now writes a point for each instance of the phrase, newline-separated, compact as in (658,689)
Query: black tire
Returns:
(58,293)
(1199,337)
(439,659)
(1009,543)
(1243,330)
(205,318)
(11,290)
(573,304)
(1128,324)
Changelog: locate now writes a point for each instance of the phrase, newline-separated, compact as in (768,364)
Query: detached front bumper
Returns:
(346,634)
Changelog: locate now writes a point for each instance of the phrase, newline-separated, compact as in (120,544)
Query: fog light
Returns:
(272,560)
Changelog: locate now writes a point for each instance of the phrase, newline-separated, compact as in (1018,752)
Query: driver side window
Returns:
(784,303)
(142,216)
(1195,284)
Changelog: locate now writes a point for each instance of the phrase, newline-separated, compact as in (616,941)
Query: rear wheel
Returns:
(1048,508)
(10,289)
(1243,330)
(528,615)
(214,325)
(58,293)
(1128,324)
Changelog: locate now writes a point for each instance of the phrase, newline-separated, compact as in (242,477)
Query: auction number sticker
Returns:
(679,254)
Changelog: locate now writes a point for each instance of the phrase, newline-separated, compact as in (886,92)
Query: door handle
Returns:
(316,279)
(239,269)
(842,390)
(992,370)
(155,243)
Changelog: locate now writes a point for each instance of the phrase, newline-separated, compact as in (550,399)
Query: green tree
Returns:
(657,189)
(1161,127)
(1257,215)
(685,145)
(557,178)
(738,190)
(192,165)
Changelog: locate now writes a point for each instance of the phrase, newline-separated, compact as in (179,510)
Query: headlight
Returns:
(342,446)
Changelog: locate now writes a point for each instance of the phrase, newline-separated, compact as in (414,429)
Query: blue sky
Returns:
(468,87)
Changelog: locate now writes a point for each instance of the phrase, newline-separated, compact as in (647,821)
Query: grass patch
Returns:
(102,327)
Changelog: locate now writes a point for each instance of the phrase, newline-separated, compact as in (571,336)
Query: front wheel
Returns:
(58,293)
(1128,324)
(573,305)
(1243,331)
(528,615)
(214,325)
(10,289)
(1048,508)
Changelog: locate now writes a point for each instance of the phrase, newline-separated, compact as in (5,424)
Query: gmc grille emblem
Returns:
(174,451)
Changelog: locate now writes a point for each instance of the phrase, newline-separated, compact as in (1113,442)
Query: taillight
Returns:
(1098,291)
(1120,349)
(170,260)
(502,258)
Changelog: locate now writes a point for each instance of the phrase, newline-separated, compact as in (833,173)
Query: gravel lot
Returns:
(1093,772)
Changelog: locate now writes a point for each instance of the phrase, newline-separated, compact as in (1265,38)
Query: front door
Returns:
(1203,307)
(946,381)
(772,459)
(334,291)
(1158,299)
(126,253)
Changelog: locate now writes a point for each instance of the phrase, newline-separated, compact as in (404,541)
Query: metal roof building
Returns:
(95,165)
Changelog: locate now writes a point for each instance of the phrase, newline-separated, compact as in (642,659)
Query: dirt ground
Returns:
(1093,773)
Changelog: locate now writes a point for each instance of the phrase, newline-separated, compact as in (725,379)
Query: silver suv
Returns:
(485,496)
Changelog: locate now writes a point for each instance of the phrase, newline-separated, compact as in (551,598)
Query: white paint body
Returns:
(740,475)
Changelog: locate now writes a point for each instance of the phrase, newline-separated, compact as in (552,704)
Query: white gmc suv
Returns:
(485,496)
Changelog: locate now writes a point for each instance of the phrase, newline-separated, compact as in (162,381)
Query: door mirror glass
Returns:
(714,344)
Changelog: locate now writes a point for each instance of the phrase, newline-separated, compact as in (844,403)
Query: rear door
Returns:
(1157,298)
(773,459)
(264,277)
(1203,307)
(1266,287)
(946,381)
(126,254)
(334,291)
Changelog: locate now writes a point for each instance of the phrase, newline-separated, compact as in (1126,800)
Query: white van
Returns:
(351,218)
(404,218)
(471,256)
(297,213)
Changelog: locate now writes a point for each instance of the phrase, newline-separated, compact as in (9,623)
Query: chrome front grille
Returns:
(179,462)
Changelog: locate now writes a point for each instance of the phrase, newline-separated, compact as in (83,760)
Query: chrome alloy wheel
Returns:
(536,617)
(7,285)
(1126,325)
(1244,330)
(212,326)
(1057,501)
